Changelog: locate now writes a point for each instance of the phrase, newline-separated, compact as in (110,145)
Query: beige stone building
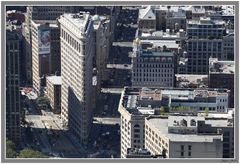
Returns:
(134,106)
(138,103)
(46,57)
(37,13)
(77,50)
(178,137)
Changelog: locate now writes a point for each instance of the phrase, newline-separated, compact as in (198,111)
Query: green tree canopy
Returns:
(28,153)
(206,110)
(182,108)
(10,149)
(162,111)
(42,100)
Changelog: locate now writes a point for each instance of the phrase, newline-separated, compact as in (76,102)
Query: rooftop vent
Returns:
(219,131)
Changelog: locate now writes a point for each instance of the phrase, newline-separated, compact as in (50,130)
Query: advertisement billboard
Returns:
(44,41)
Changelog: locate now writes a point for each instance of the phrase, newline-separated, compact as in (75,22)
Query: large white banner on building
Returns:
(44,41)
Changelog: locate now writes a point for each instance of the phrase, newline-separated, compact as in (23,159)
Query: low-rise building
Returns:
(178,137)
(223,122)
(153,65)
(221,75)
(191,81)
(138,103)
(196,12)
(176,20)
(198,100)
(177,129)
(134,107)
(146,19)
(226,13)
(172,17)
(138,153)
(53,92)
(15,15)
(161,35)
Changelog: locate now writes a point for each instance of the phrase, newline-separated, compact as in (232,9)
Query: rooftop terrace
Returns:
(147,100)
(223,67)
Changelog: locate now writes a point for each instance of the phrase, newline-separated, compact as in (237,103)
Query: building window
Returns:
(136,130)
(182,147)
(189,147)
(189,154)
(182,154)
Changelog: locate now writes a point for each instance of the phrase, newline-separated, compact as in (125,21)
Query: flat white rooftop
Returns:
(227,115)
(161,43)
(55,80)
(52,23)
(77,23)
(205,21)
(228,10)
(162,126)
(79,20)
(218,123)
(174,8)
(146,110)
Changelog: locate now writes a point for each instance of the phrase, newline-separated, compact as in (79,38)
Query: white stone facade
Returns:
(177,145)
(77,48)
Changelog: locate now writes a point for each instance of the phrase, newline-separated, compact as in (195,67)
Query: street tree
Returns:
(42,100)
(162,111)
(10,149)
(206,111)
(28,153)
